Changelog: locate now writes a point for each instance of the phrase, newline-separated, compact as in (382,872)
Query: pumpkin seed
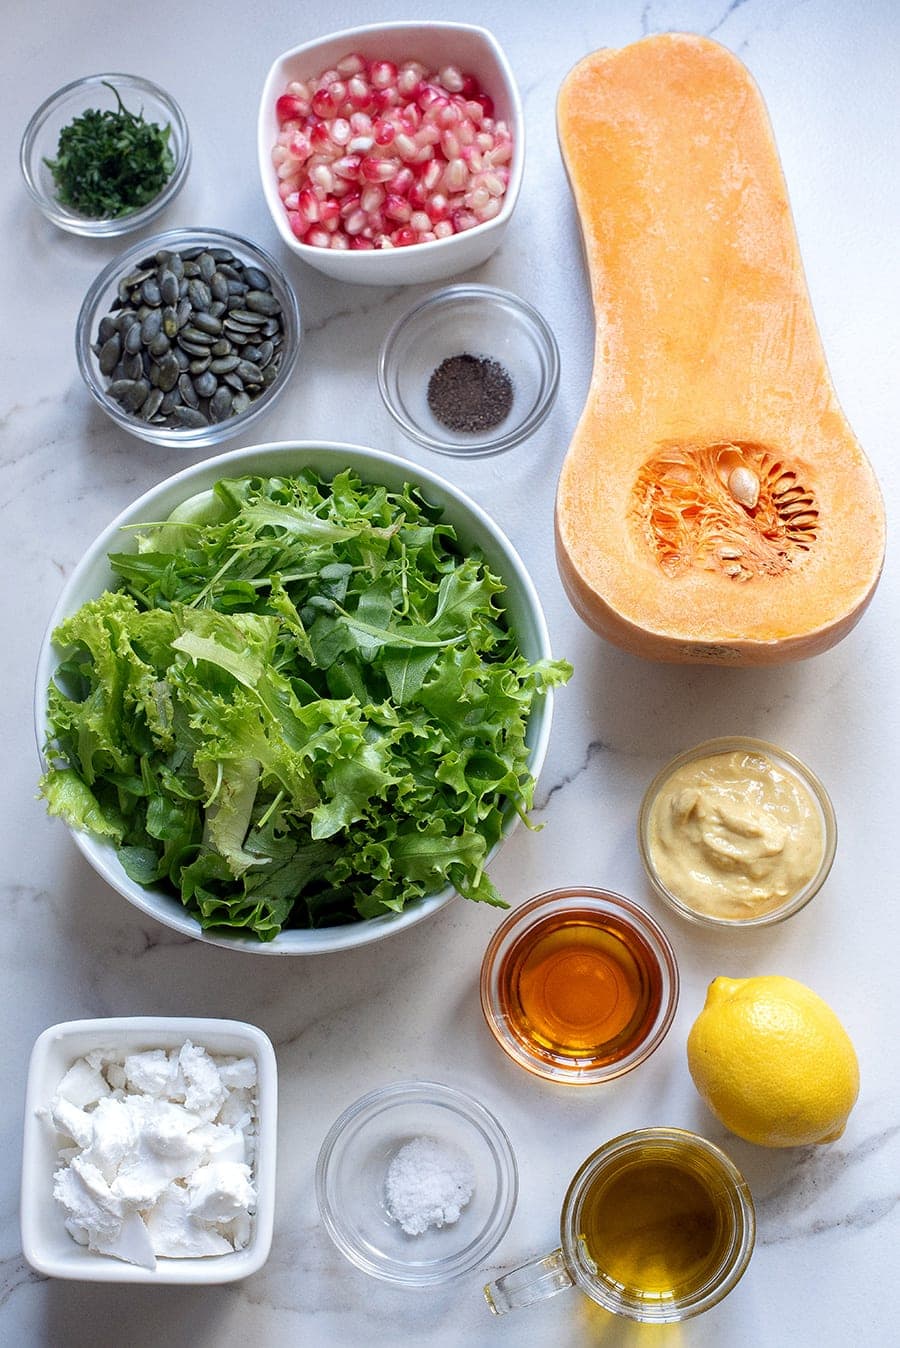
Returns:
(191,339)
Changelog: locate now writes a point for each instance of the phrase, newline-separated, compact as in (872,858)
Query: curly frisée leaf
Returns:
(303,706)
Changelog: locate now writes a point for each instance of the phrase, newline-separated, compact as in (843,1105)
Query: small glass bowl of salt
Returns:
(416,1183)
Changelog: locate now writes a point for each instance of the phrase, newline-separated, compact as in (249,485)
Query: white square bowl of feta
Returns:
(149,1150)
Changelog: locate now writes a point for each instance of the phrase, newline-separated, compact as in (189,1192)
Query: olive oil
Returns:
(659,1226)
(580,987)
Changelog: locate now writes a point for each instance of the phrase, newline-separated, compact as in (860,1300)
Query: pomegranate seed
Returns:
(359,93)
(299,89)
(397,208)
(288,105)
(322,178)
(463,220)
(323,105)
(319,238)
(291,200)
(477,199)
(383,74)
(418,195)
(502,152)
(450,145)
(443,229)
(359,243)
(451,78)
(405,146)
(329,209)
(401,182)
(308,204)
(340,131)
(352,64)
(487,104)
(327,77)
(437,207)
(494,184)
(350,204)
(419,221)
(465,132)
(339,241)
(431,175)
(378,170)
(456,175)
(409,76)
(298,223)
(319,136)
(355,222)
(427,236)
(489,210)
(373,197)
(384,131)
(348,166)
(403,237)
(469,87)
(361,124)
(361,144)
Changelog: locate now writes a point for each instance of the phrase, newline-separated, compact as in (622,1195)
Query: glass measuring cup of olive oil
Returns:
(657,1225)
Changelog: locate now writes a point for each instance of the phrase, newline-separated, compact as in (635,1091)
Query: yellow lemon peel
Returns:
(773,1062)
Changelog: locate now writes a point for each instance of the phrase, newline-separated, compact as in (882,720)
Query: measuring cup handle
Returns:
(534,1281)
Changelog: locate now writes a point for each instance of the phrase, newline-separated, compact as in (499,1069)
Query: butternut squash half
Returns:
(714,505)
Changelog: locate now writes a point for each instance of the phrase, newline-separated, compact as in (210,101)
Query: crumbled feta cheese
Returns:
(83,1084)
(164,1149)
(220,1191)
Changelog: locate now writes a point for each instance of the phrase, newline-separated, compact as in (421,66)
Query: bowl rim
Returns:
(108,226)
(465,1106)
(528,915)
(491,295)
(723,744)
(157,1030)
(89,316)
(434,248)
(323,939)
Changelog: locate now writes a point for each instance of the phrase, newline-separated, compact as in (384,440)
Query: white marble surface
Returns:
(825,1267)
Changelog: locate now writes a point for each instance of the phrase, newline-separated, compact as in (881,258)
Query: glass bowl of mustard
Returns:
(736,832)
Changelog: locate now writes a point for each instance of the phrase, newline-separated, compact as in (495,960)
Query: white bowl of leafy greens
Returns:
(293,698)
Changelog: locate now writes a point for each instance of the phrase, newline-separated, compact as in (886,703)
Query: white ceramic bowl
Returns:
(474,528)
(475,51)
(46,1243)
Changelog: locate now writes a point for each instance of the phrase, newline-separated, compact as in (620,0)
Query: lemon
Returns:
(773,1062)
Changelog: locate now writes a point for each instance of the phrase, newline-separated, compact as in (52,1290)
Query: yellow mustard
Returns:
(735,835)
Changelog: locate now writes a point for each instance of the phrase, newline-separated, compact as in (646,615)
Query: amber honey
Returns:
(580,988)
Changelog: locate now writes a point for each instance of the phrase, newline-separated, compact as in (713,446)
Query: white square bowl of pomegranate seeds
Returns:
(392,154)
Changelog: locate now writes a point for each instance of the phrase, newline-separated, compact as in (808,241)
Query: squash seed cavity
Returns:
(731,507)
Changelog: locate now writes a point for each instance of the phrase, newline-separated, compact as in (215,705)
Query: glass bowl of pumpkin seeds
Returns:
(188,337)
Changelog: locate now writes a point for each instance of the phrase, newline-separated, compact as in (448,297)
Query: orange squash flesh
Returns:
(709,377)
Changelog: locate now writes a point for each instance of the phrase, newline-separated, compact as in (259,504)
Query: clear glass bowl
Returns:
(475,320)
(41,141)
(350,1182)
(636,938)
(785,762)
(103,296)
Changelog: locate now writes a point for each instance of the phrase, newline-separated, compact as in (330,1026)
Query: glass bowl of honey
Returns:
(579,985)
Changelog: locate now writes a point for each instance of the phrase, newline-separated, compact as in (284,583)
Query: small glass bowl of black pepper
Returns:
(470,371)
(83,183)
(188,337)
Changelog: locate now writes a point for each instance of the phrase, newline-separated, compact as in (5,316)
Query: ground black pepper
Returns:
(470,393)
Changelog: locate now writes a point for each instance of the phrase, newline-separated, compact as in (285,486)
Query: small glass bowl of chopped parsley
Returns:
(105,154)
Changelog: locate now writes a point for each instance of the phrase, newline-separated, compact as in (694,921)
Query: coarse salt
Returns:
(428,1183)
